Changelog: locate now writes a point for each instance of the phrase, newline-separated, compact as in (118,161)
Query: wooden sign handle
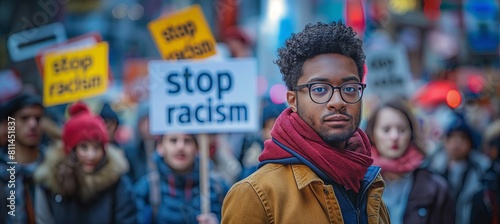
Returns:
(204,173)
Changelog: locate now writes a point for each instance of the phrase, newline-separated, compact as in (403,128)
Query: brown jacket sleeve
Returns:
(243,205)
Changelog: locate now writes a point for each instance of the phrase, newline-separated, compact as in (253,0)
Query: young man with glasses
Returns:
(317,166)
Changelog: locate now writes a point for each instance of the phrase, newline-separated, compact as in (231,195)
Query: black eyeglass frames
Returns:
(321,93)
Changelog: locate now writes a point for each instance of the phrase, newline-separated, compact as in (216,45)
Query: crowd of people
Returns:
(311,162)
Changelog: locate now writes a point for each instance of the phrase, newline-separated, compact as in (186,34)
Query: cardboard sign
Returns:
(389,71)
(80,42)
(203,97)
(74,75)
(183,35)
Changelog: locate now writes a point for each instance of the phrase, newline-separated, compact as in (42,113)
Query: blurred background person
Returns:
(461,165)
(27,111)
(253,144)
(112,122)
(140,153)
(413,194)
(171,194)
(83,180)
(239,45)
(485,204)
(223,158)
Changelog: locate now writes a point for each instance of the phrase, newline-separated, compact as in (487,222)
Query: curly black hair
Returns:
(316,39)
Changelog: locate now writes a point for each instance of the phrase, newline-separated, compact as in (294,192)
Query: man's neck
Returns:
(26,154)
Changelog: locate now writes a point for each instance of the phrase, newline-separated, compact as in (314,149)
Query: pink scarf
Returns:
(346,167)
(408,162)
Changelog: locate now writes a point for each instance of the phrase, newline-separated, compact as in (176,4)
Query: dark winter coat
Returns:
(486,203)
(137,156)
(477,164)
(430,200)
(21,184)
(105,196)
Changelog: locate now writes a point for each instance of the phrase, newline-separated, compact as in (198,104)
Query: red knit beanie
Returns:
(83,126)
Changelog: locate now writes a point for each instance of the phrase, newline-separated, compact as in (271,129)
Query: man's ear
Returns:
(291,98)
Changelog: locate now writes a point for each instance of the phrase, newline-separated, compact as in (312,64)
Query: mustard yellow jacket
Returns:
(283,193)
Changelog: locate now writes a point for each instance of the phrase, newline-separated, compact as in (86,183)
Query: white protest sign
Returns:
(203,96)
(389,71)
(25,44)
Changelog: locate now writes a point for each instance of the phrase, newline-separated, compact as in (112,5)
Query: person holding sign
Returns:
(171,193)
(82,179)
(316,168)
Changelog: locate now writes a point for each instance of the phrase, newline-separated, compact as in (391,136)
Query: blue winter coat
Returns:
(180,195)
(16,178)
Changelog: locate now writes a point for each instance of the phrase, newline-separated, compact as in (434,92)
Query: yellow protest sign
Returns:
(75,75)
(183,35)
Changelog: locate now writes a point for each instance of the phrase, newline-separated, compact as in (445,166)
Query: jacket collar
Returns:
(304,176)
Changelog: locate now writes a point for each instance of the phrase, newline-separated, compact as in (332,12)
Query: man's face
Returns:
(458,145)
(89,154)
(28,130)
(335,121)
(178,151)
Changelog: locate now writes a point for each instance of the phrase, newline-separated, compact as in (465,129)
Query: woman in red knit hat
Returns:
(82,179)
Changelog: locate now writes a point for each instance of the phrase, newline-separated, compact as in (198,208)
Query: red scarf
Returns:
(408,162)
(344,166)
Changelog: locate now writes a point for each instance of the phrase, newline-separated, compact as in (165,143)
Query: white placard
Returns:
(193,96)
(389,71)
(25,44)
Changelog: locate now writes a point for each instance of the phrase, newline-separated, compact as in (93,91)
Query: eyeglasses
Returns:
(321,93)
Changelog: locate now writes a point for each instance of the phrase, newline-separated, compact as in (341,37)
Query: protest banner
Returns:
(79,42)
(25,44)
(183,35)
(389,72)
(74,75)
(201,97)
